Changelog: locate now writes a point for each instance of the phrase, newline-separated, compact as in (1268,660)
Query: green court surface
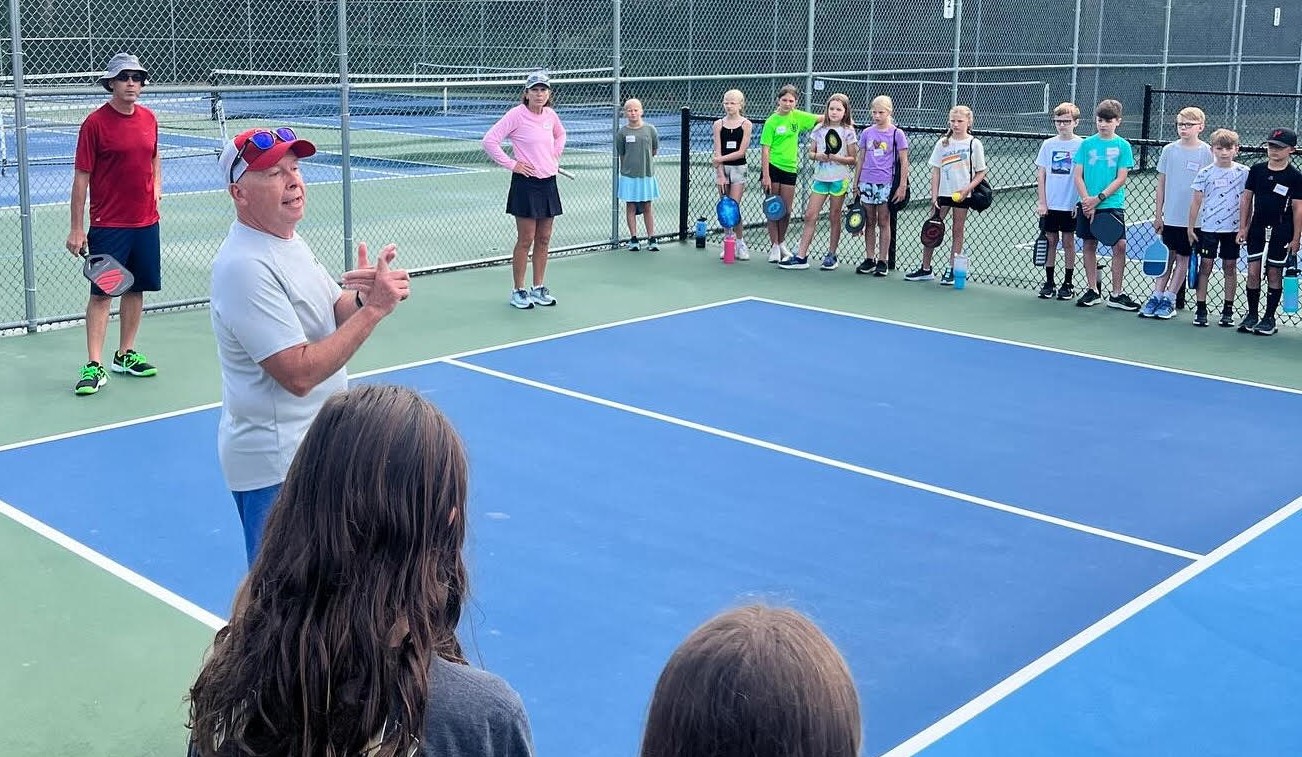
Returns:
(91,665)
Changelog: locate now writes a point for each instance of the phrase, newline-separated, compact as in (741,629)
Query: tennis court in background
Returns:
(993,593)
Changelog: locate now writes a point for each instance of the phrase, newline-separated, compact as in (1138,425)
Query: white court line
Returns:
(987,699)
(1030,346)
(832,462)
(166,596)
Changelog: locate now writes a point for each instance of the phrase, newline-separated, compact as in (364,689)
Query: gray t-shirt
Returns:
(473,713)
(635,148)
(268,294)
(1180,165)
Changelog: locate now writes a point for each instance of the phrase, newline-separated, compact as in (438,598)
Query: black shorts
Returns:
(1056,221)
(1218,244)
(138,250)
(1176,239)
(945,201)
(778,176)
(1083,224)
(530,197)
(1276,250)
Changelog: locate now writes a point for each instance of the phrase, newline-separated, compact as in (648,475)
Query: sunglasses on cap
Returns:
(263,139)
(136,76)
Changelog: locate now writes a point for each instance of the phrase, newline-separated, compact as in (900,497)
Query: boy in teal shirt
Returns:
(1102,164)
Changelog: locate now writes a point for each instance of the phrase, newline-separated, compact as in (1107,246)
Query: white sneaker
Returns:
(775,253)
(786,254)
(742,252)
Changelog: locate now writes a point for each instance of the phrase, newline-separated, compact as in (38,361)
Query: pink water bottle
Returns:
(730,248)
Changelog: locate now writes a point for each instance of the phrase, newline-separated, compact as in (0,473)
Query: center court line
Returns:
(1029,345)
(832,462)
(1012,683)
(164,595)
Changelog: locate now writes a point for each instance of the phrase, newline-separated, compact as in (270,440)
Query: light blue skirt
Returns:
(638,189)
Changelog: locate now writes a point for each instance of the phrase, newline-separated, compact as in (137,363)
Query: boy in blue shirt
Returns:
(1102,164)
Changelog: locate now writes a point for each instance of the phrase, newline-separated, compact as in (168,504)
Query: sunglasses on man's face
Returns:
(263,139)
(135,76)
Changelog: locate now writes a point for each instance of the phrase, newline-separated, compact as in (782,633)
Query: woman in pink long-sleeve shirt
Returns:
(537,140)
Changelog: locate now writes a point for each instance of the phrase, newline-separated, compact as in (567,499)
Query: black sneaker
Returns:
(1265,327)
(132,362)
(1047,291)
(882,270)
(93,376)
(1200,318)
(922,274)
(1227,320)
(1066,292)
(1248,324)
(866,267)
(1089,299)
(1123,302)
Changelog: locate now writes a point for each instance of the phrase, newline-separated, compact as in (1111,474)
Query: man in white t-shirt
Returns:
(1057,197)
(284,328)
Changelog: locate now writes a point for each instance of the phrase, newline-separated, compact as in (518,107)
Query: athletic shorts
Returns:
(1176,239)
(1059,221)
(874,194)
(732,174)
(778,176)
(138,251)
(1218,244)
(836,188)
(1083,224)
(945,201)
(1275,251)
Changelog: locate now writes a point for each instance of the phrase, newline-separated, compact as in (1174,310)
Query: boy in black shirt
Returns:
(1273,202)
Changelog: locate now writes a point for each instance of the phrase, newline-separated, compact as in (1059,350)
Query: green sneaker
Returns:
(92,378)
(132,362)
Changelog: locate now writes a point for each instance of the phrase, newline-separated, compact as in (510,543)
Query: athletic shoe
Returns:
(1150,307)
(947,279)
(1066,292)
(520,299)
(742,252)
(794,263)
(1265,327)
(132,362)
(541,295)
(1165,309)
(829,262)
(1089,299)
(786,253)
(881,271)
(632,244)
(93,377)
(1123,302)
(1047,291)
(922,274)
(1200,318)
(1226,321)
(775,253)
(651,245)
(1248,324)
(866,267)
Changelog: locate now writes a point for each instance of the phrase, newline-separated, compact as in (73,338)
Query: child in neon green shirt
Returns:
(780,159)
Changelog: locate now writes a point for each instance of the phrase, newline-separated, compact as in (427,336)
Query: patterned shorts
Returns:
(874,194)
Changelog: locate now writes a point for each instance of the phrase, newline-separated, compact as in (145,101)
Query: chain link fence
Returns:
(424,79)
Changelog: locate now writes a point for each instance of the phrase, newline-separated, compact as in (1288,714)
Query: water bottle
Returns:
(730,248)
(960,270)
(1291,287)
(700,233)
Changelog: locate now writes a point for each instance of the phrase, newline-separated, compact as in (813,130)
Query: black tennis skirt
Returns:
(533,198)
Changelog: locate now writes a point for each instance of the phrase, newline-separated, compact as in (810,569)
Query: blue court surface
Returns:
(1019,550)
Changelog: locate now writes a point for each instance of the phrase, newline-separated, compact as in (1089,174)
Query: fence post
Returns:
(24,187)
(684,170)
(1145,128)
(345,176)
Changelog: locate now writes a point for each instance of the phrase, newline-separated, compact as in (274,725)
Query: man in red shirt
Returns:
(118,165)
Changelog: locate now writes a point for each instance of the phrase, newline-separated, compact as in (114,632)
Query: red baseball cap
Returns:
(243,154)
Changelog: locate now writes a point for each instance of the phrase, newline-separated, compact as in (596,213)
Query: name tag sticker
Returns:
(630,138)
(1281,190)
(730,145)
(879,152)
(781,130)
(1192,165)
(1221,183)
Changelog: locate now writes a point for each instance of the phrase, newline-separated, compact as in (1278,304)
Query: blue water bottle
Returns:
(1291,286)
(700,232)
(960,270)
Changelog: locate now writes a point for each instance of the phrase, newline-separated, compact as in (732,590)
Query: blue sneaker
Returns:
(794,263)
(829,262)
(1165,308)
(541,295)
(1150,307)
(520,299)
